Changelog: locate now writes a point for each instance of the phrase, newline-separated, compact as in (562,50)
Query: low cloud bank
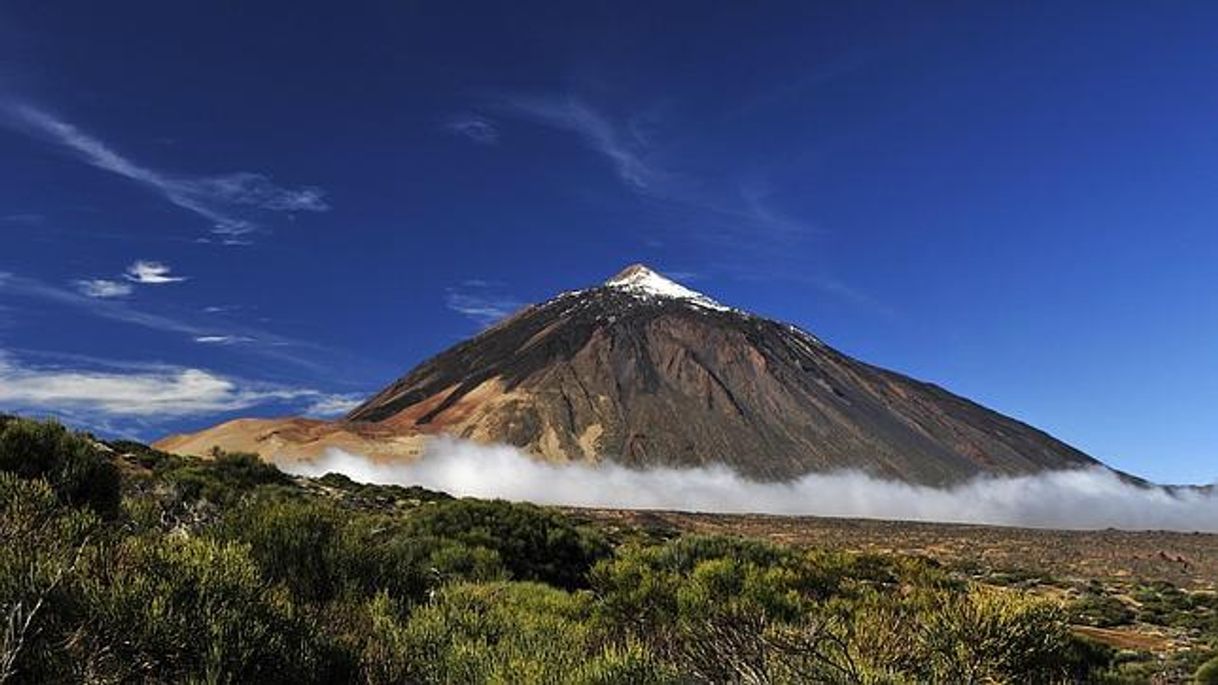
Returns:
(1083,499)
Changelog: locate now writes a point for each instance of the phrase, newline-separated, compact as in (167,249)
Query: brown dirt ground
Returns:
(1187,560)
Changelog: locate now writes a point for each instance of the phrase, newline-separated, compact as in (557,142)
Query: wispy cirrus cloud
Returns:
(481,301)
(743,208)
(227,201)
(262,342)
(102,288)
(627,153)
(473,127)
(151,273)
(141,391)
(20,286)
(723,209)
(24,218)
(325,406)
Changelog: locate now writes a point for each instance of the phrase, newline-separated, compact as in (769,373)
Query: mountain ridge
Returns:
(646,372)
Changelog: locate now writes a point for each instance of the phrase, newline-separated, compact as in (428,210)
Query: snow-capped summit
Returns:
(639,280)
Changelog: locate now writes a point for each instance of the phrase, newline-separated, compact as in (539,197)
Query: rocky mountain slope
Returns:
(645,372)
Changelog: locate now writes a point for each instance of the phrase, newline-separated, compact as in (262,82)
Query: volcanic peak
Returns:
(642,282)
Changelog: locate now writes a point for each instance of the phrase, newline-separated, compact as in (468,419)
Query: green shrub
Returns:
(80,473)
(245,470)
(374,492)
(224,478)
(1102,610)
(500,632)
(293,542)
(225,570)
(43,543)
(145,456)
(322,553)
(992,635)
(723,610)
(173,609)
(381,554)
(1208,673)
(86,602)
(684,553)
(533,543)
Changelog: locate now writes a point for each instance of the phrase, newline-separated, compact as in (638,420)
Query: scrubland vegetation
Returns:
(121,563)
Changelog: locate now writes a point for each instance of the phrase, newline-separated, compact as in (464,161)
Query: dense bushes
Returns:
(81,601)
(1095,608)
(1208,673)
(322,553)
(293,543)
(533,543)
(277,581)
(730,611)
(173,609)
(374,494)
(1161,603)
(223,478)
(74,466)
(502,632)
(43,543)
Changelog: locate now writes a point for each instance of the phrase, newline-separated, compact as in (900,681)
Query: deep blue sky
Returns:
(1017,203)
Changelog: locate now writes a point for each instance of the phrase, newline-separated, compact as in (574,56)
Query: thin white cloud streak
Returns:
(1083,499)
(744,213)
(222,339)
(151,273)
(267,344)
(29,219)
(476,303)
(219,199)
(474,128)
(326,406)
(759,209)
(103,289)
(599,133)
(13,284)
(740,217)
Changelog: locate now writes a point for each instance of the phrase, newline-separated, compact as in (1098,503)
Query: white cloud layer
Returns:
(151,273)
(142,391)
(102,288)
(1083,499)
(169,393)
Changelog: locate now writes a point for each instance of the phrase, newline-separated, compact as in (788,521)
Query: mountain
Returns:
(645,372)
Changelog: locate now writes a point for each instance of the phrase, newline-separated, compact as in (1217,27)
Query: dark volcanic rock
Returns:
(644,372)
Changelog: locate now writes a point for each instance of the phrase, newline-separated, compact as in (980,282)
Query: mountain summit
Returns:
(643,282)
(646,372)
